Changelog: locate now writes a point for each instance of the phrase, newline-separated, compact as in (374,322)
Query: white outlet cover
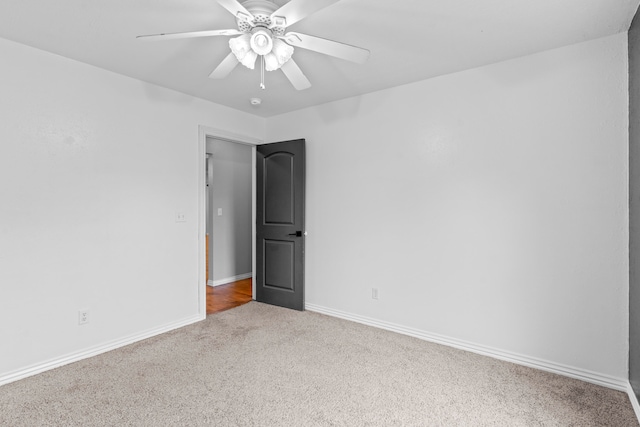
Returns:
(83,317)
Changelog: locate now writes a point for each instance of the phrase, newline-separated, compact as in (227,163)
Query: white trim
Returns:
(94,351)
(228,136)
(226,280)
(634,400)
(202,223)
(520,359)
(254,198)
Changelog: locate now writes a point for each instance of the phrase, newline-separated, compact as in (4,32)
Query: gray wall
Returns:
(113,159)
(230,190)
(497,216)
(634,205)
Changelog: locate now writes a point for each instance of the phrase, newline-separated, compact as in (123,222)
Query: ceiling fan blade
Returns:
(188,35)
(295,75)
(237,10)
(226,66)
(328,47)
(296,10)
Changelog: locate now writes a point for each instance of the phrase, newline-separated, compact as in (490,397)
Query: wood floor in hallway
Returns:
(224,297)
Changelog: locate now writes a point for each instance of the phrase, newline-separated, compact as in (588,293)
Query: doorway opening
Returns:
(227,225)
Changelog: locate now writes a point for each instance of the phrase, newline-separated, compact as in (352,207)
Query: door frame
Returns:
(203,133)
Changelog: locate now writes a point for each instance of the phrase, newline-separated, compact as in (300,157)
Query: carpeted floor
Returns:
(258,365)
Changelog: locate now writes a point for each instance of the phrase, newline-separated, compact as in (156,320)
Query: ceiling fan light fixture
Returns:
(261,32)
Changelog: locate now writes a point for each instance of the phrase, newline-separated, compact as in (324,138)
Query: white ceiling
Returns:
(409,40)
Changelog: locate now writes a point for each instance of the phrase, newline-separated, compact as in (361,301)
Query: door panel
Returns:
(280,224)
(279,194)
(280,257)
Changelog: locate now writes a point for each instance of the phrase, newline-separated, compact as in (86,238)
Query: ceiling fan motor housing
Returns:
(261,10)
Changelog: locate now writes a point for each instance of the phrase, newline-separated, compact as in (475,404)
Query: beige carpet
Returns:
(258,365)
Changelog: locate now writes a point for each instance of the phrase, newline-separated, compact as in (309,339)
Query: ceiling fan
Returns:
(261,33)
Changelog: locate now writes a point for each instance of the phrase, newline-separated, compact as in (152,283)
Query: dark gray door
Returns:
(280,224)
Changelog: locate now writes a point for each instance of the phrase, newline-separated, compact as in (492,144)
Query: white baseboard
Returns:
(229,279)
(634,400)
(520,359)
(94,351)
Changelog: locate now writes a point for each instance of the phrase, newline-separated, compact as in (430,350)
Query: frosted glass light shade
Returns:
(247,47)
(282,51)
(271,62)
(241,48)
(249,60)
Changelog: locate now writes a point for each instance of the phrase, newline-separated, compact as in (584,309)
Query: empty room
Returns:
(438,216)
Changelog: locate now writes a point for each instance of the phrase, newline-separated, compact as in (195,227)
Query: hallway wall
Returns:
(230,191)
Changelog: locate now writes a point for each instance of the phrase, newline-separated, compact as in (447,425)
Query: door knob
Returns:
(297,234)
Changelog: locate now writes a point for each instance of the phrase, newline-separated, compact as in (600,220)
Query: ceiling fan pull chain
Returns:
(262,86)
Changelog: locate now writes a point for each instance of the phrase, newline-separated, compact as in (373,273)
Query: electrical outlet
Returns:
(374,293)
(83,317)
(181,217)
